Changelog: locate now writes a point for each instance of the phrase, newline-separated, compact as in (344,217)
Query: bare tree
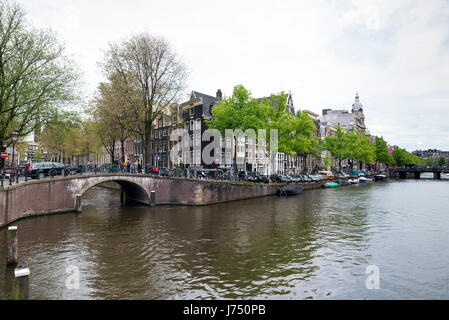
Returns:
(113,107)
(151,63)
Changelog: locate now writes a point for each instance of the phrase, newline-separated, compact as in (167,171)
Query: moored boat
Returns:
(353,180)
(380,177)
(343,182)
(331,185)
(363,179)
(290,190)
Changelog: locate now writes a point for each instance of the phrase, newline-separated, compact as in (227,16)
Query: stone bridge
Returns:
(63,194)
(402,173)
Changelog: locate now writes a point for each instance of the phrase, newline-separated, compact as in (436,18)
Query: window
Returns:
(198,156)
(228,143)
(198,139)
(191,112)
(191,125)
(228,157)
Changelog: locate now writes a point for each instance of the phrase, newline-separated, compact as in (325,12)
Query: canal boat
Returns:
(331,185)
(380,177)
(363,179)
(353,180)
(343,182)
(290,190)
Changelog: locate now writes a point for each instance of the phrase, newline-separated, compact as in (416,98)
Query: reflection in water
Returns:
(316,245)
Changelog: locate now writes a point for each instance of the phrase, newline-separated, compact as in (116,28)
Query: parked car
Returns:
(242,176)
(74,169)
(263,179)
(284,178)
(338,175)
(327,174)
(251,177)
(45,169)
(316,177)
(306,178)
(278,178)
(297,177)
(302,178)
(293,178)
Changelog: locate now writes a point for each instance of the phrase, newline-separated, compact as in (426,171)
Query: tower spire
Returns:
(357,105)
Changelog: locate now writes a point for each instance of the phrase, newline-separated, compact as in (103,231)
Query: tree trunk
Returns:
(122,142)
(147,145)
(305,163)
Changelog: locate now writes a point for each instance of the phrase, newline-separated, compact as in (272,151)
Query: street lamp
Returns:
(14,136)
(4,145)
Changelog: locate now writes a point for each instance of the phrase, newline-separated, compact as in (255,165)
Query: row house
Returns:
(314,163)
(283,163)
(164,124)
(194,113)
(347,120)
(354,120)
(128,150)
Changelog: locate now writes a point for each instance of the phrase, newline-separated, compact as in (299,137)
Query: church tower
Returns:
(357,110)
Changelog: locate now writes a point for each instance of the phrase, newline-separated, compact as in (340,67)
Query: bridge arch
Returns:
(134,190)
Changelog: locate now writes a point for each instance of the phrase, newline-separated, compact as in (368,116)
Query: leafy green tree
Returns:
(327,160)
(337,146)
(59,135)
(302,140)
(403,158)
(364,151)
(241,111)
(35,75)
(441,161)
(382,154)
(38,153)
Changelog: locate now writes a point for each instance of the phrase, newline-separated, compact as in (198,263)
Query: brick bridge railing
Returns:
(63,194)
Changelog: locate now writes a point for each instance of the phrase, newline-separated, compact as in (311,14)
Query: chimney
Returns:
(219,94)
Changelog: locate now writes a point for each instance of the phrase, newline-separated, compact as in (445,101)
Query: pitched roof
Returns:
(290,108)
(207,101)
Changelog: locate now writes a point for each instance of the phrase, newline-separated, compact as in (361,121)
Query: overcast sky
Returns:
(395,53)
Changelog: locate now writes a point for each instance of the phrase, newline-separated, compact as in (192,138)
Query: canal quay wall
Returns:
(63,194)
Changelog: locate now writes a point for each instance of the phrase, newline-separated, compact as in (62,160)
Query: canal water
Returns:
(318,245)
